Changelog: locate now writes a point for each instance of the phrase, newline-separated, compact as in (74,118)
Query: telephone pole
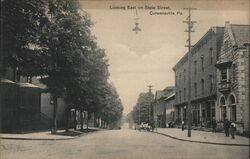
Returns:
(190,25)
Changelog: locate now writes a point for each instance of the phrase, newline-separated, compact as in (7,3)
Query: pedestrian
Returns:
(214,124)
(226,127)
(182,125)
(233,129)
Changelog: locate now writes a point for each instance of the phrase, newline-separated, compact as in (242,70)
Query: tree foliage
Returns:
(21,30)
(52,39)
(112,110)
(142,111)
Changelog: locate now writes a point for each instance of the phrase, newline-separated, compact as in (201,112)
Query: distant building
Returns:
(233,76)
(159,107)
(203,57)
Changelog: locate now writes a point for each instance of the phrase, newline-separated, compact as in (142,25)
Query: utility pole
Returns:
(190,24)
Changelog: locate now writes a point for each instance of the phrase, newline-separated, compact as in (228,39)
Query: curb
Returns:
(46,139)
(203,142)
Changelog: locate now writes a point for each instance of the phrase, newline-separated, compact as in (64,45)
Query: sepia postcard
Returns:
(124,79)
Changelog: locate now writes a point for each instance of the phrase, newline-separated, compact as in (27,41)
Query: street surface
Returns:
(118,144)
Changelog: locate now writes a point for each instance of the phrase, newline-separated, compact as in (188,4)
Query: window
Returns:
(224,75)
(184,93)
(179,78)
(202,87)
(202,63)
(211,83)
(195,89)
(195,67)
(234,72)
(180,95)
(176,94)
(176,81)
(232,103)
(226,46)
(184,75)
(211,55)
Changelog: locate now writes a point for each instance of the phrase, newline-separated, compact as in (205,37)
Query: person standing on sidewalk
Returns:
(233,129)
(226,126)
(182,125)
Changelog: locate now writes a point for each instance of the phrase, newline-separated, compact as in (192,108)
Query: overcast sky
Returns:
(147,58)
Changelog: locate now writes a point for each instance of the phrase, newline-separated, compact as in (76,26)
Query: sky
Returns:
(147,58)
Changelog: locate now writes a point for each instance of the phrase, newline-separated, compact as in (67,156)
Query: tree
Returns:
(142,111)
(67,38)
(22,23)
(111,113)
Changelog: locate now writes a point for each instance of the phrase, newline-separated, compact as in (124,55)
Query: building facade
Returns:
(170,109)
(159,107)
(233,76)
(203,57)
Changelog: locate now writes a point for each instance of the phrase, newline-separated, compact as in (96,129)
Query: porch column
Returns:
(228,112)
(228,73)
(200,114)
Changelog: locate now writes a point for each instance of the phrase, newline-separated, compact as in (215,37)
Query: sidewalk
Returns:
(203,137)
(46,135)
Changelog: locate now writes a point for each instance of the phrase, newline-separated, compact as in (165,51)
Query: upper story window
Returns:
(176,94)
(184,93)
(195,67)
(179,78)
(202,63)
(224,75)
(176,79)
(234,72)
(195,89)
(211,56)
(202,87)
(180,95)
(184,75)
(226,45)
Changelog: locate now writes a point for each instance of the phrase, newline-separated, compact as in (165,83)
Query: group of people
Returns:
(229,126)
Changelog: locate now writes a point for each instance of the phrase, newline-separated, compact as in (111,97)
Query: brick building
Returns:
(233,76)
(203,57)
